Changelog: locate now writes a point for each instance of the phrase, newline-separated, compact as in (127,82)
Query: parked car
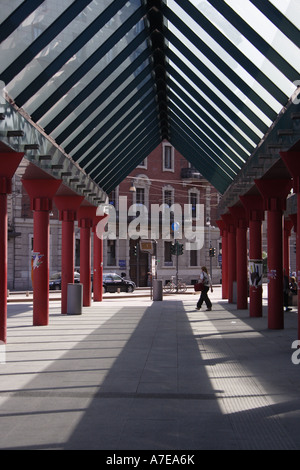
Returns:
(55,280)
(112,282)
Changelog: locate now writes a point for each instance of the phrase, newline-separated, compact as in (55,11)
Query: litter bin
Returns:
(75,299)
(157,289)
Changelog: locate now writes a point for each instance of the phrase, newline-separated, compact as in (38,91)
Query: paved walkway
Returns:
(131,374)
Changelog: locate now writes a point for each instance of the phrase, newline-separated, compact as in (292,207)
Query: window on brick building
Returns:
(168,198)
(168,261)
(193,257)
(193,202)
(140,195)
(113,198)
(111,253)
(168,158)
(143,164)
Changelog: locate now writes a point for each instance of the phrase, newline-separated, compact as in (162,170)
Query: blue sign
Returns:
(122,263)
(175,226)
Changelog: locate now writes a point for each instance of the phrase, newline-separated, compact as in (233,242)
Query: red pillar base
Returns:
(85,217)
(275,193)
(9,162)
(67,206)
(291,160)
(240,219)
(255,211)
(41,193)
(229,222)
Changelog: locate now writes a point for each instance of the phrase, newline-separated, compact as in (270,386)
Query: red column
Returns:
(228,219)
(287,227)
(3,259)
(85,217)
(67,206)
(9,162)
(98,268)
(41,193)
(239,216)
(99,223)
(275,193)
(294,218)
(291,160)
(223,231)
(254,207)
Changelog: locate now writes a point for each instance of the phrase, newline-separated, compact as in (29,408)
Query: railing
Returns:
(190,173)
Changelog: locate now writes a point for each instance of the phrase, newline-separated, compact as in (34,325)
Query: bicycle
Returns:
(181,286)
(170,286)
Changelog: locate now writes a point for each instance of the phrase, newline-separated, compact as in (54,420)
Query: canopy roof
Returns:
(107,81)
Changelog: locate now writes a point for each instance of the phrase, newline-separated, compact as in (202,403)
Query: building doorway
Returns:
(139,264)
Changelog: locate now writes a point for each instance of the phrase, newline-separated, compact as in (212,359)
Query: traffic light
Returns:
(177,248)
(212,252)
(180,248)
(135,250)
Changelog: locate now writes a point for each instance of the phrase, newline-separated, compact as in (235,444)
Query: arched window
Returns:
(142,186)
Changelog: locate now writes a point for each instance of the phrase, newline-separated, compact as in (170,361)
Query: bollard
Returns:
(157,290)
(74,299)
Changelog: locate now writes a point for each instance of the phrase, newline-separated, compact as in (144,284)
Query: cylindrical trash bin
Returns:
(75,299)
(157,289)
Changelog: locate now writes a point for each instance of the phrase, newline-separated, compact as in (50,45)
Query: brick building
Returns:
(165,177)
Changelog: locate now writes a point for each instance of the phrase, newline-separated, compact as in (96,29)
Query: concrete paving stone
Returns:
(132,374)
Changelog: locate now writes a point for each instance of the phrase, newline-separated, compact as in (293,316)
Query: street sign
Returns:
(147,246)
(175,226)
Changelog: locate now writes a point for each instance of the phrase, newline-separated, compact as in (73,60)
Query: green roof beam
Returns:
(224,69)
(84,68)
(13,21)
(219,103)
(255,39)
(209,125)
(115,129)
(210,110)
(93,85)
(279,20)
(145,149)
(214,143)
(130,140)
(211,157)
(233,51)
(111,106)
